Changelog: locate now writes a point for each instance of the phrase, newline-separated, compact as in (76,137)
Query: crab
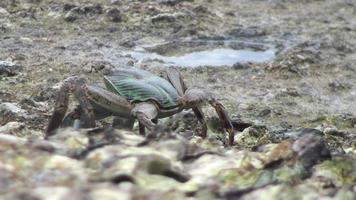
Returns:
(134,94)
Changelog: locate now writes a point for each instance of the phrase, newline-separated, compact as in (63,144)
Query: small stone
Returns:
(336,86)
(240,65)
(298,133)
(130,63)
(3,12)
(311,149)
(11,127)
(116,2)
(98,66)
(71,16)
(11,111)
(265,112)
(92,10)
(114,15)
(247,32)
(68,6)
(58,192)
(169,2)
(253,136)
(9,68)
(165,17)
(11,140)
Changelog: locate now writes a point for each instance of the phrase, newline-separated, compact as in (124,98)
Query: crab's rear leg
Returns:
(77,86)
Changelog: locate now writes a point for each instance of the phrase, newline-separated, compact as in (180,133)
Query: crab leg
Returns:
(225,119)
(146,114)
(200,115)
(71,85)
(87,119)
(92,100)
(175,78)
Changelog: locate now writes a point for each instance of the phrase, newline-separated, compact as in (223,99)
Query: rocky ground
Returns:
(300,106)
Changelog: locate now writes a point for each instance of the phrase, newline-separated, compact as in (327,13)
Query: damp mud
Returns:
(284,70)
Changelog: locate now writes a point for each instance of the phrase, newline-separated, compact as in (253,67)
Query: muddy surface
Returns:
(285,67)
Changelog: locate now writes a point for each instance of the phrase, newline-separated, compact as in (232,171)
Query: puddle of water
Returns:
(212,57)
(195,53)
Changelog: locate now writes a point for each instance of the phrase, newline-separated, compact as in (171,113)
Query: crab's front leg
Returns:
(78,87)
(194,97)
(224,119)
(175,78)
(200,115)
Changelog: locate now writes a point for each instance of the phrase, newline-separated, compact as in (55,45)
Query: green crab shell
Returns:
(142,86)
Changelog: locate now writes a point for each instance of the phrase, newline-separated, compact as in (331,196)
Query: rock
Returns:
(3,12)
(6,139)
(240,65)
(9,68)
(73,140)
(98,66)
(92,10)
(297,133)
(72,15)
(253,136)
(116,2)
(166,17)
(310,150)
(113,14)
(12,127)
(76,12)
(337,86)
(169,2)
(136,164)
(200,9)
(58,192)
(247,32)
(68,6)
(11,112)
(340,170)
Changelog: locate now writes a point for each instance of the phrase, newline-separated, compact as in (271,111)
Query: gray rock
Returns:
(311,149)
(3,12)
(172,2)
(98,66)
(116,2)
(72,15)
(11,111)
(240,65)
(297,133)
(11,140)
(9,68)
(84,11)
(166,17)
(114,15)
(12,127)
(92,10)
(247,32)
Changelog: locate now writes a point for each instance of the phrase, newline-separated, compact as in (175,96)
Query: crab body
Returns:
(134,94)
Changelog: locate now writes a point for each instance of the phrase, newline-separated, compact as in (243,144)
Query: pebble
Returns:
(12,127)
(310,149)
(9,68)
(12,112)
(113,14)
(3,12)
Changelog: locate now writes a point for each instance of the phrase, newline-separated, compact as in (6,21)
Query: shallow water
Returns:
(212,57)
